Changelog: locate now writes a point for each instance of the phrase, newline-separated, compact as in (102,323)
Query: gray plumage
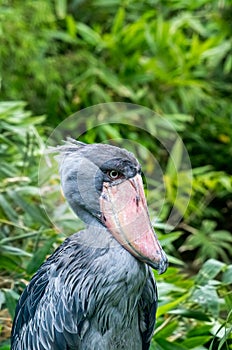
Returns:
(91,293)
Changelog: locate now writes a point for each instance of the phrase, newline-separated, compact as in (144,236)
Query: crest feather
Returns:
(70,145)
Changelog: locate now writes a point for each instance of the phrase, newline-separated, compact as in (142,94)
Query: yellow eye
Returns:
(114,174)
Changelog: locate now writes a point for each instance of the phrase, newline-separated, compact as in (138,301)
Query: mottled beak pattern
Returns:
(125,214)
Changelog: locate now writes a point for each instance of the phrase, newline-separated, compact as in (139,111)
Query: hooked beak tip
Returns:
(160,266)
(163,266)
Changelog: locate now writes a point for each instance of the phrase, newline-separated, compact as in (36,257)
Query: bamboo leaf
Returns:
(174,161)
(39,256)
(227,275)
(170,345)
(11,299)
(61,8)
(7,208)
(197,315)
(209,270)
(193,342)
(171,305)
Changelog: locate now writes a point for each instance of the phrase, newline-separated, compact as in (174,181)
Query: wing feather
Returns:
(49,314)
(147,310)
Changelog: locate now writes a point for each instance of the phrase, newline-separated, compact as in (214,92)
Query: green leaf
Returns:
(11,299)
(7,208)
(222,332)
(163,309)
(165,331)
(175,261)
(170,345)
(10,250)
(31,209)
(71,25)
(39,256)
(197,315)
(5,347)
(209,270)
(89,35)
(207,297)
(118,21)
(227,275)
(200,329)
(192,342)
(61,8)
(9,263)
(175,158)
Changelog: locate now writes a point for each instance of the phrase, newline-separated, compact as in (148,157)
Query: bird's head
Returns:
(103,183)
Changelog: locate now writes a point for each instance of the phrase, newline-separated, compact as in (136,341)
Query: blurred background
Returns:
(173,57)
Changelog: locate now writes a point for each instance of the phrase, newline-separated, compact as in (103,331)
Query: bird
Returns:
(97,290)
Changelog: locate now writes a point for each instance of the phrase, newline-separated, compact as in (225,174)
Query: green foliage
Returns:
(137,54)
(22,216)
(194,312)
(210,243)
(26,236)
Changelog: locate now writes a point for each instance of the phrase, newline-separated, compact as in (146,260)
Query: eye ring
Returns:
(114,174)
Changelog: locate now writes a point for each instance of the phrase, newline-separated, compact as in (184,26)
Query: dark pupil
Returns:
(113,174)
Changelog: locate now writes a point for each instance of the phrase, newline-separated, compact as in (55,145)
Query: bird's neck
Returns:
(97,236)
